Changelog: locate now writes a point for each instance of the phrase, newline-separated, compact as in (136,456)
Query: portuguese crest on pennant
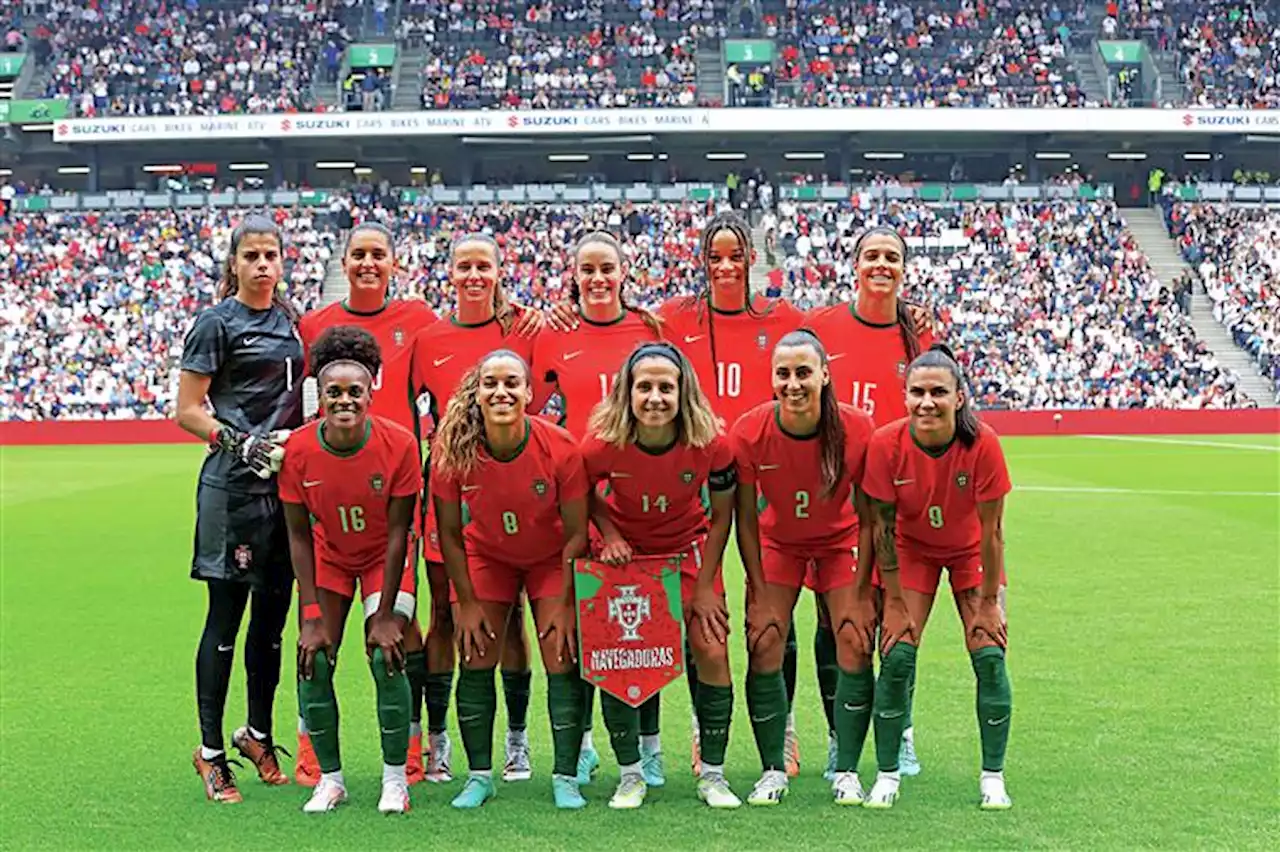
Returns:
(630,626)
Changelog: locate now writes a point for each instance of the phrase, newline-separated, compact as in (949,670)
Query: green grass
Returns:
(1144,659)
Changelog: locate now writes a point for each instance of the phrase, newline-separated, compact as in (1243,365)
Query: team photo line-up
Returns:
(839,446)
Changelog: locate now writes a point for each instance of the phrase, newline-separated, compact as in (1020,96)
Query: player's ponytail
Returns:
(461,433)
(254,224)
(575,291)
(909,324)
(503,311)
(831,431)
(940,356)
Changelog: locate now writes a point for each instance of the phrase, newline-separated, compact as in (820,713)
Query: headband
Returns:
(347,362)
(657,349)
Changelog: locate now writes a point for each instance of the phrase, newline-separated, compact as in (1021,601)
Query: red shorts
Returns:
(498,582)
(924,573)
(821,571)
(342,582)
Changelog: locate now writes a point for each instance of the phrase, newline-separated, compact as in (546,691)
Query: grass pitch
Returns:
(1145,656)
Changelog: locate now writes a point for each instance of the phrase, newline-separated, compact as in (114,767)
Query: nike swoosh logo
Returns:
(311,484)
(555,727)
(619,475)
(474,718)
(569,356)
(903,481)
(438,361)
(768,467)
(249,341)
(693,338)
(852,709)
(835,356)
(760,720)
(467,488)
(999,721)
(225,648)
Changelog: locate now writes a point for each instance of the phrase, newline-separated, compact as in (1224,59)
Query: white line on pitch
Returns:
(1154,492)
(1266,448)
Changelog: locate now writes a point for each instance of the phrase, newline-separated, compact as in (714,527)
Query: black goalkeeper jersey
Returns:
(254,361)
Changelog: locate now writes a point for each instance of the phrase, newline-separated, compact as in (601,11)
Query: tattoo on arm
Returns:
(886,530)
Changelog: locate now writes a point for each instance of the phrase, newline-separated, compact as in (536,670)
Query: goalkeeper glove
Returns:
(263,455)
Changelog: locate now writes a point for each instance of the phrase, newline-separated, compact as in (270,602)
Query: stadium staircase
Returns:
(1171,88)
(710,74)
(335,286)
(408,90)
(1093,86)
(1147,227)
(761,268)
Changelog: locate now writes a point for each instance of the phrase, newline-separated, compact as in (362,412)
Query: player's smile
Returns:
(727,263)
(880,262)
(504,391)
(932,400)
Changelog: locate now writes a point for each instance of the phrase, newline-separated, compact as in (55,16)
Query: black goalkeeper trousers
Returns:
(269,610)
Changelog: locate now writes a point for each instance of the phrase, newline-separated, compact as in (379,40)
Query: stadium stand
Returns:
(1235,251)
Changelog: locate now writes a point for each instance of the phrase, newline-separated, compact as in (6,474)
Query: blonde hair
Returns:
(613,421)
(456,449)
(503,311)
(649,318)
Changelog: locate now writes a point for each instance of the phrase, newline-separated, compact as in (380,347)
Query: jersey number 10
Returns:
(728,379)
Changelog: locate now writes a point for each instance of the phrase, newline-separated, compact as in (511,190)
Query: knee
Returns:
(850,655)
(989,665)
(710,656)
(768,651)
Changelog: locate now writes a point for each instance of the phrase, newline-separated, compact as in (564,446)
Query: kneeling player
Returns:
(349,486)
(938,481)
(800,459)
(657,443)
(511,505)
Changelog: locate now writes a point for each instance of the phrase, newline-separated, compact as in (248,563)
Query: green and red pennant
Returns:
(630,625)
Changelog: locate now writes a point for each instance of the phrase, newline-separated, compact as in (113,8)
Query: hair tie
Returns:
(347,362)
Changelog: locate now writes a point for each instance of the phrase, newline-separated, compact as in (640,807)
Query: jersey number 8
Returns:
(510,523)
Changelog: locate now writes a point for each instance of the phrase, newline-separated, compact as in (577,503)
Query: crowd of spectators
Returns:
(1050,303)
(139,57)
(94,306)
(1235,252)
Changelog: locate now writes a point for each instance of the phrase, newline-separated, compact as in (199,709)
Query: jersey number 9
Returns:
(935,517)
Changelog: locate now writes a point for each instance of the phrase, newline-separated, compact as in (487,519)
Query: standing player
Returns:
(871,341)
(510,495)
(349,486)
(800,459)
(938,480)
(369,263)
(656,442)
(485,320)
(243,355)
(579,366)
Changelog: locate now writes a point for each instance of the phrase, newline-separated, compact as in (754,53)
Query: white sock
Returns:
(709,769)
(629,769)
(909,734)
(482,773)
(586,740)
(415,729)
(302,725)
(210,753)
(334,777)
(258,735)
(651,743)
(393,773)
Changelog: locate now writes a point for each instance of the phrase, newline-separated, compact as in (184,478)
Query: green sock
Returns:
(650,715)
(564,706)
(415,667)
(435,692)
(855,692)
(588,705)
(320,709)
(908,722)
(890,704)
(995,705)
(824,658)
(790,662)
(767,706)
(715,711)
(477,705)
(623,724)
(516,687)
(394,697)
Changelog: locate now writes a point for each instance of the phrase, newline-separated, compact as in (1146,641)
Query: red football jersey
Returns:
(583,364)
(444,352)
(740,376)
(786,473)
(868,361)
(347,492)
(656,499)
(511,509)
(394,326)
(937,496)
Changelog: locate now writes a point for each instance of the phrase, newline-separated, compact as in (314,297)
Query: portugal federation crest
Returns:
(540,487)
(687,477)
(629,610)
(243,556)
(376,482)
(398,336)
(762,340)
(962,479)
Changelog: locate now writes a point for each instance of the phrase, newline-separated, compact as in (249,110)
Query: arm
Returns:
(573,514)
(897,624)
(311,638)
(449,527)
(748,531)
(385,630)
(991,515)
(722,503)
(866,538)
(190,413)
(616,550)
